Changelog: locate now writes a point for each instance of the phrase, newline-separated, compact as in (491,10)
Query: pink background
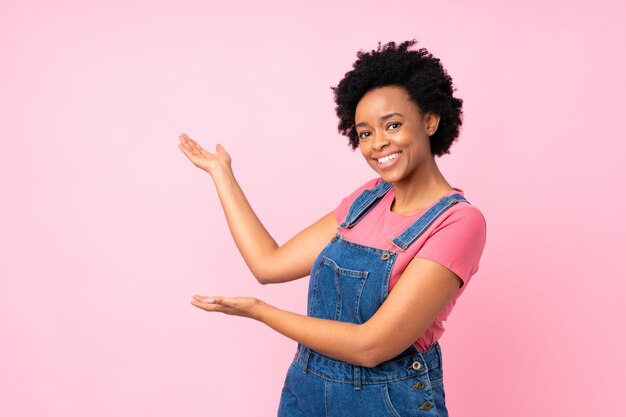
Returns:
(107,230)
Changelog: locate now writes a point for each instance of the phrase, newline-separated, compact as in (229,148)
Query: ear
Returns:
(431,122)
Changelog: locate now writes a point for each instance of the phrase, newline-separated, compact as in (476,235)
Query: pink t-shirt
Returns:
(456,240)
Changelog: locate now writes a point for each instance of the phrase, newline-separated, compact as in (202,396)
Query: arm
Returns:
(268,262)
(418,297)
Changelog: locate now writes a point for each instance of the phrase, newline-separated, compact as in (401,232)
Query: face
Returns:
(393,134)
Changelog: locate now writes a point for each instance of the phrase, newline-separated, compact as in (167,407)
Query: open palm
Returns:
(203,159)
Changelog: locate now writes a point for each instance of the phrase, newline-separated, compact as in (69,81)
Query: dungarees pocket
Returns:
(337,292)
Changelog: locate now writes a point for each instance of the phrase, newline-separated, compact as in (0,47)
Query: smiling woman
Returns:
(386,266)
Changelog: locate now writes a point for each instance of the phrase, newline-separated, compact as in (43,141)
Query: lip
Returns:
(382,155)
(387,164)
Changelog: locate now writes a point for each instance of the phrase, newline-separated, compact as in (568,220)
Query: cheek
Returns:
(365,152)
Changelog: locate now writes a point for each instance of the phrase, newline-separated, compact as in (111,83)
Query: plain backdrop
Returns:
(107,229)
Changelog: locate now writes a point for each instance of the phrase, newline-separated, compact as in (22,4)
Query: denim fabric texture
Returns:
(349,283)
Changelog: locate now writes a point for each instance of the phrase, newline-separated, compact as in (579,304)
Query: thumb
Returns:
(225,301)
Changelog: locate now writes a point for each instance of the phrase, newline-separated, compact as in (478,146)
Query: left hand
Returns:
(235,306)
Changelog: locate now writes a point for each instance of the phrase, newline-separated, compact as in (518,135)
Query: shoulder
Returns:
(466,216)
(464,222)
(457,241)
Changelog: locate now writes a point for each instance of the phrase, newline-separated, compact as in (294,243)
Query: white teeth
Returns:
(388,158)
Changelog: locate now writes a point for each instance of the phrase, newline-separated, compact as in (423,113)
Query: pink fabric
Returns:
(455,240)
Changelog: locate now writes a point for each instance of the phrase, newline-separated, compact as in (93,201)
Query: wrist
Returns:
(259,310)
(222,172)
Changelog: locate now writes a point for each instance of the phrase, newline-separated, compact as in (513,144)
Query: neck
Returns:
(425,187)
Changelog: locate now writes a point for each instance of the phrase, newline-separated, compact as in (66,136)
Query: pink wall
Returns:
(107,230)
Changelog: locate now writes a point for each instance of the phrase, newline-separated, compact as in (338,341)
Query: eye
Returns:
(364,135)
(391,125)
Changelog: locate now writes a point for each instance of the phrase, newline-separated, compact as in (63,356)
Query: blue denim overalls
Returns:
(349,283)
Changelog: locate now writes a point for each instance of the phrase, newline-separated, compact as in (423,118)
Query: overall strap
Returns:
(364,203)
(418,227)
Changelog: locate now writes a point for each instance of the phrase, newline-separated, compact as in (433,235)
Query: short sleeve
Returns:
(342,210)
(458,242)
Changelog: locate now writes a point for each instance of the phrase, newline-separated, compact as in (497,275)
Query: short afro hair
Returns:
(418,72)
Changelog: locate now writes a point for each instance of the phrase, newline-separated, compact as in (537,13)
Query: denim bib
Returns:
(349,282)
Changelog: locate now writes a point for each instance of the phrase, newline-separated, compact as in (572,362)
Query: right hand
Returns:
(210,162)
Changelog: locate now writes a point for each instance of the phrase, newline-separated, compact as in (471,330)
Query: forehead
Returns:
(385,100)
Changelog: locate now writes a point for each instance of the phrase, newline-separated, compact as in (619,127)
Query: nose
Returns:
(380,141)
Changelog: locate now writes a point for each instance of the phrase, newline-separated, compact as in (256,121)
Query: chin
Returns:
(390,177)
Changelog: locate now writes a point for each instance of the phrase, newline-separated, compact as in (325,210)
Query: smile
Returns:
(388,158)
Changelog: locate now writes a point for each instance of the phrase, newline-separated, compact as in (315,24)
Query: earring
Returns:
(431,133)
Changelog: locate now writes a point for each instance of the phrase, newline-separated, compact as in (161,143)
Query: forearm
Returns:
(336,339)
(257,247)
(252,239)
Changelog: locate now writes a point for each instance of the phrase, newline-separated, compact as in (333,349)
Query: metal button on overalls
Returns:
(420,385)
(426,406)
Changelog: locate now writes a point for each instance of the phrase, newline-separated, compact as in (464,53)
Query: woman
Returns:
(363,349)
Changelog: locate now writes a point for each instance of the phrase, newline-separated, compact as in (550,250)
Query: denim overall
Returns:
(349,283)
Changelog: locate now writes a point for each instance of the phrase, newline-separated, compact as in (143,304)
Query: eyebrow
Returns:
(382,118)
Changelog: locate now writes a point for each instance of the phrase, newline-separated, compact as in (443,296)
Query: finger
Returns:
(212,307)
(185,144)
(207,307)
(193,144)
(221,150)
(182,147)
(218,300)
(184,139)
(226,301)
(190,144)
(204,299)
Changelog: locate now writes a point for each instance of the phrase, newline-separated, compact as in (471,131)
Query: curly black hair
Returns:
(418,72)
